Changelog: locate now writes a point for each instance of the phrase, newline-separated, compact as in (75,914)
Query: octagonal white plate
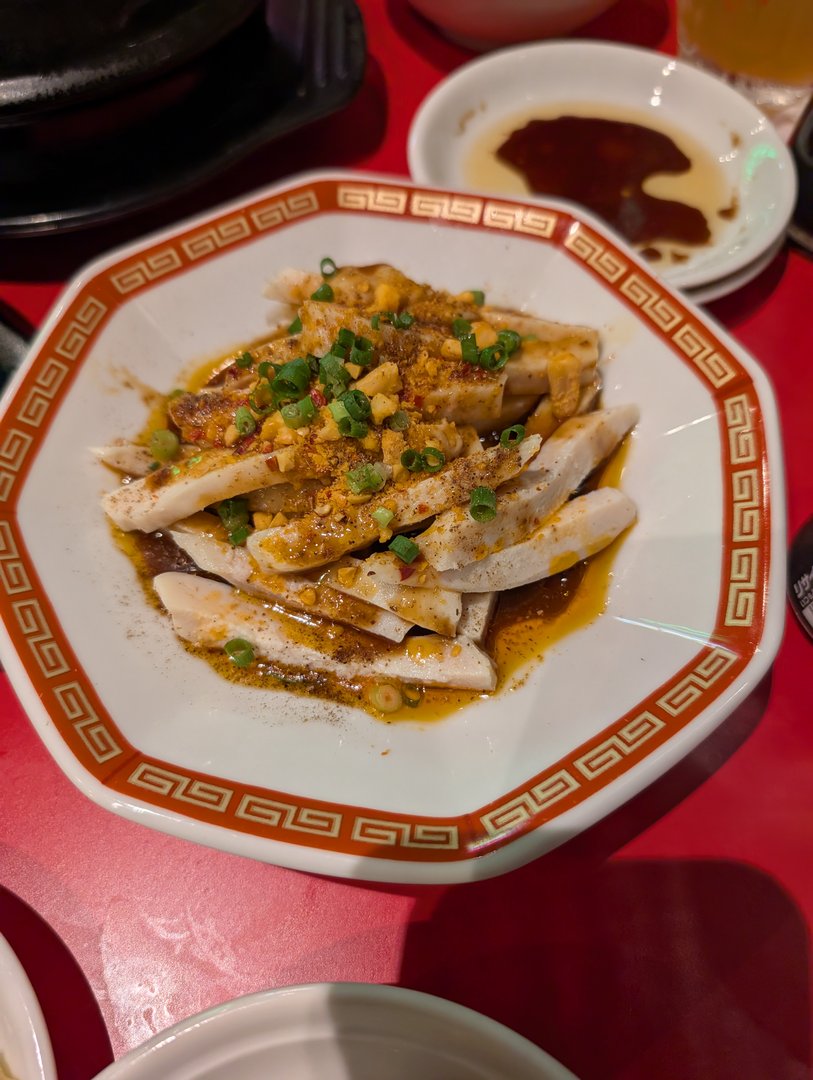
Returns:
(473,110)
(694,611)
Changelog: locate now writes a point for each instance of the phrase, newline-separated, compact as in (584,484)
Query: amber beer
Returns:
(767,41)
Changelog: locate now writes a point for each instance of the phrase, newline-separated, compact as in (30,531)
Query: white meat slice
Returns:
(432,608)
(210,613)
(128,458)
(455,539)
(578,530)
(316,541)
(582,341)
(527,373)
(385,568)
(166,496)
(233,564)
(476,615)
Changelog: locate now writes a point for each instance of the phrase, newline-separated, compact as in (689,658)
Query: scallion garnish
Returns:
(493,358)
(366,478)
(400,322)
(403,320)
(333,375)
(263,368)
(382,516)
(354,429)
(478,297)
(338,411)
(328,267)
(261,399)
(510,341)
(292,379)
(433,459)
(296,326)
(483,504)
(244,421)
(244,360)
(234,515)
(385,697)
(299,413)
(406,550)
(412,460)
(468,349)
(412,695)
(512,436)
(399,421)
(357,404)
(164,445)
(346,338)
(362,352)
(240,652)
(460,327)
(324,292)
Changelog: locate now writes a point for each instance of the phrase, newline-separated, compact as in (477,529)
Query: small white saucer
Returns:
(472,111)
(716,290)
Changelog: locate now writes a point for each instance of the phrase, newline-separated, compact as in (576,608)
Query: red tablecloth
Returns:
(670,941)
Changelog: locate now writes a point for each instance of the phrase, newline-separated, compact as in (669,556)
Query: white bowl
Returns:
(694,610)
(467,116)
(337,1031)
(25,1046)
(482,24)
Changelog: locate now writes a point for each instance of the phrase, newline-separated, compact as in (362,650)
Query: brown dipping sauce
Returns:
(603,164)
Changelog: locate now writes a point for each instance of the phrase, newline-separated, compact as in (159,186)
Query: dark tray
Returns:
(283,68)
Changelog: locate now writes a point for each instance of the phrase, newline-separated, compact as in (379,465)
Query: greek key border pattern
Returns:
(746,501)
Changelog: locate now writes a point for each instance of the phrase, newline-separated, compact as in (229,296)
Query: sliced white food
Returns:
(386,568)
(178,490)
(233,564)
(432,608)
(209,613)
(455,539)
(126,457)
(476,615)
(578,530)
(316,541)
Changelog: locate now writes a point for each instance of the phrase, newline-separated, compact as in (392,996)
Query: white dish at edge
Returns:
(338,1031)
(756,164)
(25,1046)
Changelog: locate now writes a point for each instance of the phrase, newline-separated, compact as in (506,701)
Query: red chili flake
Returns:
(197,434)
(423,508)
(232,372)
(406,572)
(418,401)
(318,398)
(243,445)
(272,464)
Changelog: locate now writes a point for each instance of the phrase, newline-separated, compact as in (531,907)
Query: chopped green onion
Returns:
(406,550)
(244,360)
(412,695)
(357,404)
(493,358)
(244,421)
(382,516)
(362,352)
(512,436)
(299,413)
(399,421)
(338,411)
(413,460)
(233,513)
(296,326)
(239,651)
(292,379)
(333,373)
(366,478)
(176,393)
(460,327)
(355,429)
(403,320)
(510,341)
(164,445)
(238,536)
(346,338)
(483,504)
(468,349)
(478,297)
(263,369)
(153,465)
(433,459)
(324,292)
(375,322)
(261,399)
(328,267)
(400,322)
(385,697)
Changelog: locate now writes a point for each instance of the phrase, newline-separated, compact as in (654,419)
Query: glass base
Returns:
(782,104)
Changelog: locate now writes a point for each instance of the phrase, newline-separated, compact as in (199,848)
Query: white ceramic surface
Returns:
(25,1047)
(482,24)
(338,1031)
(694,610)
(724,286)
(489,94)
